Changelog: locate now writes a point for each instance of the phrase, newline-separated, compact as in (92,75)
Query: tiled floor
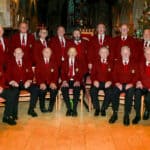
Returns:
(55,131)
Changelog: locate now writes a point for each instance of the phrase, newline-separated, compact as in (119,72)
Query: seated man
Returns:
(46,74)
(143,87)
(124,77)
(10,96)
(72,74)
(20,77)
(101,79)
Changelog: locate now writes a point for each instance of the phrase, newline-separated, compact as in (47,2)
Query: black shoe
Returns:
(44,110)
(15,117)
(97,111)
(32,113)
(68,113)
(74,113)
(50,109)
(146,115)
(113,118)
(136,120)
(103,113)
(126,120)
(9,120)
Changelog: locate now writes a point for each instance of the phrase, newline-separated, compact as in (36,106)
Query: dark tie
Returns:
(23,40)
(19,63)
(100,40)
(71,69)
(62,43)
(44,44)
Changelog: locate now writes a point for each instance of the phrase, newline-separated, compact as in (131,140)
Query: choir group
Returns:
(115,65)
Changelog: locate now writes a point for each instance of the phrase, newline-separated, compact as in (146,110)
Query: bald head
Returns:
(104,52)
(18,53)
(125,52)
(72,52)
(47,52)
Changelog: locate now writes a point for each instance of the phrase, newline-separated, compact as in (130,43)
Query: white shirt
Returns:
(42,40)
(46,60)
(3,44)
(147,63)
(77,42)
(101,37)
(71,62)
(25,38)
(124,37)
(17,61)
(62,39)
(146,42)
(104,60)
(125,61)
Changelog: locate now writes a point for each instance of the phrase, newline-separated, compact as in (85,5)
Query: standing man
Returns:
(72,74)
(60,45)
(95,43)
(101,76)
(125,40)
(24,40)
(39,45)
(47,79)
(20,76)
(125,77)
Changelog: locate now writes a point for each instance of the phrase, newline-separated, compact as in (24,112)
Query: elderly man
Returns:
(20,76)
(47,79)
(125,76)
(101,76)
(95,43)
(71,75)
(143,87)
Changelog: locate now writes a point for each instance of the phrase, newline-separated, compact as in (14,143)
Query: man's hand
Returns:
(27,84)
(119,86)
(1,90)
(53,86)
(139,85)
(13,83)
(108,84)
(65,84)
(96,84)
(77,83)
(43,86)
(128,86)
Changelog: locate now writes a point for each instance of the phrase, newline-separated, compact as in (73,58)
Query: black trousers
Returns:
(138,95)
(128,99)
(94,95)
(33,89)
(10,95)
(42,94)
(76,95)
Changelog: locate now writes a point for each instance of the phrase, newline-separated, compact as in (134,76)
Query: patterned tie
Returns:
(23,40)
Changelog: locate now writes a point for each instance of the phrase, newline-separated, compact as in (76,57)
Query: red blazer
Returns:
(125,73)
(144,74)
(28,49)
(82,53)
(46,73)
(16,73)
(55,45)
(37,51)
(102,72)
(2,77)
(130,42)
(141,50)
(78,71)
(94,46)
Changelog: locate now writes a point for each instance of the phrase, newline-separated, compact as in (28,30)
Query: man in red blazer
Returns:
(10,96)
(143,88)
(39,45)
(71,75)
(125,40)
(125,76)
(60,45)
(20,76)
(96,42)
(81,47)
(101,75)
(4,45)
(24,40)
(46,74)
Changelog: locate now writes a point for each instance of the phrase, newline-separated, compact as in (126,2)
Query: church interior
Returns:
(55,131)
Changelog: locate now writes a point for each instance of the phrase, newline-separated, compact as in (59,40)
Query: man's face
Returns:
(146,35)
(18,53)
(125,53)
(76,35)
(1,31)
(23,28)
(104,52)
(72,52)
(43,33)
(60,31)
(47,53)
(101,29)
(147,54)
(124,30)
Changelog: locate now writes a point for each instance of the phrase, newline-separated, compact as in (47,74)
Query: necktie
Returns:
(123,38)
(44,44)
(71,69)
(23,40)
(100,40)
(19,63)
(62,43)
